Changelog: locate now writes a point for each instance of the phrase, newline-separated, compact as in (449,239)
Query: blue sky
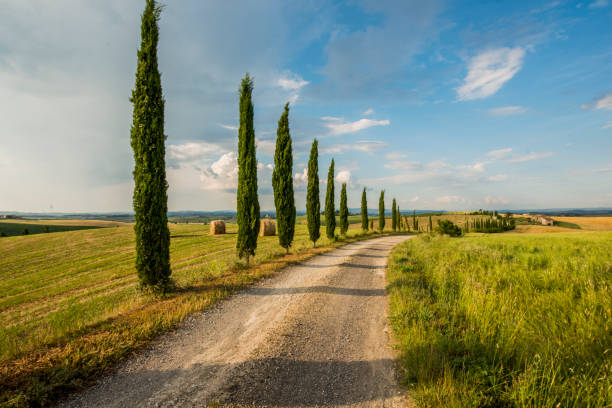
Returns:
(444,104)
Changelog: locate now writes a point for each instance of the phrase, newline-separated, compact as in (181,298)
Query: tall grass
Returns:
(508,320)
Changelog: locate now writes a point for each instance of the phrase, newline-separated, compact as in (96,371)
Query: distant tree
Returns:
(282,182)
(394,215)
(381,211)
(364,210)
(415,225)
(343,211)
(313,205)
(371,225)
(47,230)
(430,225)
(247,216)
(3,234)
(26,231)
(150,199)
(330,217)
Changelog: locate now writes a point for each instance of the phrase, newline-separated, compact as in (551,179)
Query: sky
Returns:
(450,105)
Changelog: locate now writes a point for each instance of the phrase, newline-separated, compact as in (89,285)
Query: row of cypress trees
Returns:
(150,198)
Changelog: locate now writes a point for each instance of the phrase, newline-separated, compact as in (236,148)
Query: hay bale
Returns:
(217,227)
(267,228)
(304,222)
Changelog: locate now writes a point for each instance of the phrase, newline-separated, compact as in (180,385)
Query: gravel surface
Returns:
(314,336)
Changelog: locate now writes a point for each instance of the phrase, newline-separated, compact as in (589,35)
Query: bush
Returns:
(26,231)
(448,228)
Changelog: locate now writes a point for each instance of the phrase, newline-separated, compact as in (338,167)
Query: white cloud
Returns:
(368,112)
(338,126)
(191,150)
(598,4)
(608,125)
(489,71)
(222,174)
(476,167)
(301,179)
(507,111)
(499,153)
(414,199)
(528,157)
(367,146)
(291,82)
(343,176)
(605,102)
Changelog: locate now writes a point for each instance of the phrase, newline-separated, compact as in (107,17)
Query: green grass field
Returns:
(505,320)
(17,228)
(70,305)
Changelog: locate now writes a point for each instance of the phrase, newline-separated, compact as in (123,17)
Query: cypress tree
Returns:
(313,205)
(330,211)
(247,202)
(394,216)
(399,219)
(150,198)
(414,220)
(282,182)
(381,211)
(430,225)
(364,211)
(343,211)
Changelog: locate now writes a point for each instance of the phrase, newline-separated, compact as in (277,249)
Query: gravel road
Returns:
(314,336)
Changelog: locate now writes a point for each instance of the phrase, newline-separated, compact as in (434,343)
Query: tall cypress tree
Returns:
(394,216)
(381,211)
(399,219)
(313,205)
(343,210)
(364,210)
(430,224)
(247,202)
(330,210)
(150,199)
(282,182)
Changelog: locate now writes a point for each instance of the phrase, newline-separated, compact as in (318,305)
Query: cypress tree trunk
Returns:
(381,211)
(150,199)
(330,210)
(247,202)
(313,205)
(343,210)
(394,216)
(282,182)
(364,211)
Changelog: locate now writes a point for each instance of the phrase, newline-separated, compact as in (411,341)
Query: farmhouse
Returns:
(544,220)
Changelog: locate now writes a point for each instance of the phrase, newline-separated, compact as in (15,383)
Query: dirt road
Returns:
(315,336)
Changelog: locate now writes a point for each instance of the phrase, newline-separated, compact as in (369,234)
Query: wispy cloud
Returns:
(448,199)
(228,127)
(338,126)
(507,111)
(489,71)
(498,177)
(608,125)
(499,153)
(291,82)
(598,4)
(367,146)
(395,156)
(529,157)
(495,200)
(368,112)
(191,151)
(605,102)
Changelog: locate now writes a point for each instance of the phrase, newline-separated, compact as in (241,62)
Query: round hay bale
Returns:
(217,227)
(268,228)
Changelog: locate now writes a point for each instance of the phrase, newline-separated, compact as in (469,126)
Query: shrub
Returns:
(446,227)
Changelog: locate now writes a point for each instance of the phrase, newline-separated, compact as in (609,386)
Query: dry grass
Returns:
(589,223)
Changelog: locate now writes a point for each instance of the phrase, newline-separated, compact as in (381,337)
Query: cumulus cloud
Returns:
(368,146)
(507,111)
(605,102)
(222,174)
(301,179)
(338,126)
(489,71)
(343,176)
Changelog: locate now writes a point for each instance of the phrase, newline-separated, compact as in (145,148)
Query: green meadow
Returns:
(505,319)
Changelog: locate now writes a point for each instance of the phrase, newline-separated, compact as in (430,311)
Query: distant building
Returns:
(544,220)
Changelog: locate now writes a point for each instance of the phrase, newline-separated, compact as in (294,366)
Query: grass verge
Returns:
(70,308)
(505,320)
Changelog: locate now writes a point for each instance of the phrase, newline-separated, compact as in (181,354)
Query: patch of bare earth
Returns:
(314,336)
